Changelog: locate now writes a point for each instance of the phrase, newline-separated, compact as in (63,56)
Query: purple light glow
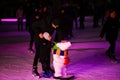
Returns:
(11,20)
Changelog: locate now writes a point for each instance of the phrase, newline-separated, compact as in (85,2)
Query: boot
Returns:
(35,72)
(46,74)
(51,70)
(31,50)
(108,53)
(113,58)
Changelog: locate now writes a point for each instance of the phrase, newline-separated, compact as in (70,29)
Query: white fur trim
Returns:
(63,45)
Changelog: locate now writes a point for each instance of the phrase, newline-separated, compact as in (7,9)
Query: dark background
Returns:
(8,7)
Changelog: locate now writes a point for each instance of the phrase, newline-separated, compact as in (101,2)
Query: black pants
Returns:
(32,34)
(20,24)
(82,19)
(112,46)
(45,58)
(37,54)
(42,55)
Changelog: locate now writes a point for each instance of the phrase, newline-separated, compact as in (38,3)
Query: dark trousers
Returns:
(37,54)
(42,55)
(111,50)
(96,21)
(31,39)
(20,24)
(112,46)
(82,19)
(45,59)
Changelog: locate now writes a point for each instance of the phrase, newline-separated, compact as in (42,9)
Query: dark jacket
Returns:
(40,26)
(110,29)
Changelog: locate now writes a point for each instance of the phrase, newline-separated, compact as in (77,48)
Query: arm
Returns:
(103,30)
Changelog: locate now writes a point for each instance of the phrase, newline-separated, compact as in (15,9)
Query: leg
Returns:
(95,21)
(112,48)
(82,18)
(21,24)
(45,61)
(18,21)
(75,21)
(35,62)
(58,64)
(31,41)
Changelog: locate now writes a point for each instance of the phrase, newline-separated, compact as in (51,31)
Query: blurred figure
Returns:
(110,29)
(99,7)
(31,9)
(82,12)
(0,15)
(20,16)
(76,11)
(30,17)
(28,14)
(66,13)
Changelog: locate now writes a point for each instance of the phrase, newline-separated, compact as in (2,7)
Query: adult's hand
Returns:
(40,35)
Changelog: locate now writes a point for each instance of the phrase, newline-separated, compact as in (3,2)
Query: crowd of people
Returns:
(42,17)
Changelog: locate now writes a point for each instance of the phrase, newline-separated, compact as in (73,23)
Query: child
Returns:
(44,56)
(61,59)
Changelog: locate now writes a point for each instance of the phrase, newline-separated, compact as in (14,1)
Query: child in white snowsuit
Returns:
(60,59)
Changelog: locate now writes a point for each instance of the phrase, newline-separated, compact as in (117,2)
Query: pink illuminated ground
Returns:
(87,54)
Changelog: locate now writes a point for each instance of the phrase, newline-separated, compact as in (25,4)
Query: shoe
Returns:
(35,72)
(51,74)
(108,54)
(111,57)
(114,59)
(51,70)
(64,78)
(46,75)
(57,77)
(31,51)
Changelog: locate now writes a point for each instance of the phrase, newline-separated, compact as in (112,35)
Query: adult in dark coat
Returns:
(43,46)
(110,29)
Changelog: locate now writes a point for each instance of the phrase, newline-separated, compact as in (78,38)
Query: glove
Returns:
(66,60)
